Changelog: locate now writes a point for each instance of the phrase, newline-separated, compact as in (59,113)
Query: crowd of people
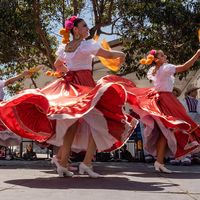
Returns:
(75,113)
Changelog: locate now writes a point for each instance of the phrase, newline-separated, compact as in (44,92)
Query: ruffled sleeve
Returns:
(150,74)
(60,53)
(91,47)
(169,69)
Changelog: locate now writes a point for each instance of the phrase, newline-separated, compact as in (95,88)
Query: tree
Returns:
(26,30)
(168,25)
(27,35)
(105,14)
(25,38)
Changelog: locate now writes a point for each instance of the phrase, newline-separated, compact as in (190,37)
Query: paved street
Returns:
(30,180)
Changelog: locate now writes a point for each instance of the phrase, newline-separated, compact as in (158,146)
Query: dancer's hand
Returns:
(62,69)
(26,73)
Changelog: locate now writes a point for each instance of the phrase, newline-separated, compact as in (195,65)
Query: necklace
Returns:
(73,45)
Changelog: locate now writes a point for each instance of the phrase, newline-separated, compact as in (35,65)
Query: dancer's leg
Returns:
(67,143)
(91,149)
(161,148)
(59,153)
(85,166)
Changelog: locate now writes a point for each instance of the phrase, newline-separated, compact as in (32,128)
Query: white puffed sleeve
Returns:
(150,74)
(169,69)
(90,47)
(60,53)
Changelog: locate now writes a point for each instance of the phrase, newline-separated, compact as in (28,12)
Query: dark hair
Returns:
(76,22)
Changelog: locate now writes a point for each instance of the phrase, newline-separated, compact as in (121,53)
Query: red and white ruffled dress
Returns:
(161,111)
(45,114)
(7,138)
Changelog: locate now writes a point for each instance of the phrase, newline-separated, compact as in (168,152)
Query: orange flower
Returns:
(65,40)
(149,61)
(143,61)
(57,74)
(49,73)
(66,35)
(151,57)
(62,31)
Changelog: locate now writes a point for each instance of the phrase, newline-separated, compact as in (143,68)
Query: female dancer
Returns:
(80,53)
(8,138)
(168,127)
(74,112)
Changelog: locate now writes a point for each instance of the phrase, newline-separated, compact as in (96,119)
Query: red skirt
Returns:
(162,112)
(8,138)
(45,114)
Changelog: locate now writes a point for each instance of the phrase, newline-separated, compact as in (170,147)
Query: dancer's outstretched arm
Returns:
(189,63)
(16,78)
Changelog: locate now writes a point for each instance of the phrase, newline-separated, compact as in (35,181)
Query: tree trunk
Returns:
(41,33)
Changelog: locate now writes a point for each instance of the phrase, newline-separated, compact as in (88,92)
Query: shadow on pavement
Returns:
(174,175)
(110,183)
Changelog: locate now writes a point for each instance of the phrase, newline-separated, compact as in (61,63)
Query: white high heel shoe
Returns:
(54,160)
(161,168)
(85,169)
(62,172)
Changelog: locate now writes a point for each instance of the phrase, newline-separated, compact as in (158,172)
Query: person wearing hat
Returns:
(176,91)
(192,106)
(191,103)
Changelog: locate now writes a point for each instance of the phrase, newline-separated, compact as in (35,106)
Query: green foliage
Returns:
(27,30)
(25,34)
(168,25)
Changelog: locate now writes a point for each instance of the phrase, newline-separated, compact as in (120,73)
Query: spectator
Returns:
(125,154)
(192,106)
(29,154)
(176,91)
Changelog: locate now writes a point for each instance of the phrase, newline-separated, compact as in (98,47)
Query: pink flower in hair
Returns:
(68,24)
(152,52)
(73,18)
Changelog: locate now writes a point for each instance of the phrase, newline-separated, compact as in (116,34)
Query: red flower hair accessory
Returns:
(69,23)
(65,32)
(152,52)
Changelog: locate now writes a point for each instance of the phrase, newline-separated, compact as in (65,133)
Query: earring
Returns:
(77,37)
